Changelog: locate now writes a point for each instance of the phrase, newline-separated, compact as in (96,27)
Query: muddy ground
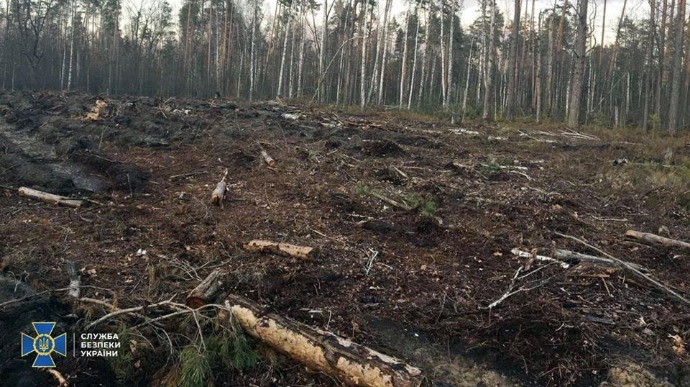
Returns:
(412,276)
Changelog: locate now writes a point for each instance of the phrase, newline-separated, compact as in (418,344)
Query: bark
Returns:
(363,64)
(285,249)
(579,68)
(270,161)
(449,72)
(385,51)
(414,60)
(467,82)
(662,61)
(207,290)
(443,58)
(491,57)
(49,198)
(252,52)
(427,38)
(300,61)
(324,35)
(652,238)
(513,63)
(673,112)
(403,67)
(279,94)
(321,350)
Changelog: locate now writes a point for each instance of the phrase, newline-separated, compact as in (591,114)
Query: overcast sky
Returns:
(635,9)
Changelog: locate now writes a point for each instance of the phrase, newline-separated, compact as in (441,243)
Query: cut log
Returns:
(320,350)
(268,159)
(49,198)
(206,291)
(218,194)
(286,249)
(652,238)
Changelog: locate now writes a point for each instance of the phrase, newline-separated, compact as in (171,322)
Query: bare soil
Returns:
(148,171)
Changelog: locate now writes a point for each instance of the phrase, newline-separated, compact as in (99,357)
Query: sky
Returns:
(635,9)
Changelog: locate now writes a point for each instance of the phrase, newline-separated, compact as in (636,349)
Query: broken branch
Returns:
(49,198)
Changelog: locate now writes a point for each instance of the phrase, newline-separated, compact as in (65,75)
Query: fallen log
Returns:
(218,193)
(268,159)
(49,198)
(652,238)
(320,350)
(206,291)
(285,249)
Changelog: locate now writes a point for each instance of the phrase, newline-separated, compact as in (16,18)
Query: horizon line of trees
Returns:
(546,65)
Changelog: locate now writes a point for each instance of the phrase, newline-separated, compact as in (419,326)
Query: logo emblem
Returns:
(44,344)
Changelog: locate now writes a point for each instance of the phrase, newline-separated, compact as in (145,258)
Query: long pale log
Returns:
(355,364)
(652,238)
(260,246)
(206,290)
(50,198)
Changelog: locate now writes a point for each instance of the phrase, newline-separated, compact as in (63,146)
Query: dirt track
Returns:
(474,196)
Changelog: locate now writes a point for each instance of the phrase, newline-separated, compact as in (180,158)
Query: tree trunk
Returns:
(384,47)
(449,73)
(425,56)
(579,68)
(488,115)
(324,35)
(677,69)
(279,94)
(414,60)
(363,65)
(513,63)
(403,64)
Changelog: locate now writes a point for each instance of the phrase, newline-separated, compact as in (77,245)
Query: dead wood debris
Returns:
(630,268)
(285,249)
(49,198)
(322,350)
(205,292)
(652,238)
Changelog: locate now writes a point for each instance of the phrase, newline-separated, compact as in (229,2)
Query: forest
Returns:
(543,64)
